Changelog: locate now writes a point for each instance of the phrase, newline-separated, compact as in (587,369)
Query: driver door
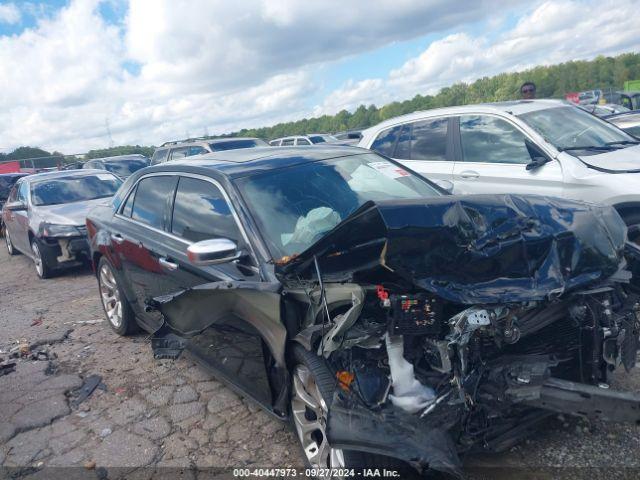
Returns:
(493,156)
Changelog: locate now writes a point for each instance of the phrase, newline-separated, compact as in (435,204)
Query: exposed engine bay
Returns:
(451,324)
(416,351)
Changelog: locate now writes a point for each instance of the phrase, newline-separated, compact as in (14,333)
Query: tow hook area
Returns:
(595,402)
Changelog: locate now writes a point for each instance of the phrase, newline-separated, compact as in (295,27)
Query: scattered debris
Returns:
(23,348)
(105,432)
(40,355)
(36,322)
(120,390)
(84,322)
(87,388)
(7,368)
(90,465)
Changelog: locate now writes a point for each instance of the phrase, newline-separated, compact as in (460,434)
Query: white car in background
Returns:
(310,139)
(545,147)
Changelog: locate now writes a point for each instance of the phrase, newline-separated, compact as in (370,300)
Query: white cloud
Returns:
(178,67)
(9,13)
(553,32)
(175,66)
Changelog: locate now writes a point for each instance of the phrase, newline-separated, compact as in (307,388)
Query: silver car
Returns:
(45,216)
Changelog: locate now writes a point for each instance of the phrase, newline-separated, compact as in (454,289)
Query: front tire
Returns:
(311,396)
(43,269)
(116,307)
(7,240)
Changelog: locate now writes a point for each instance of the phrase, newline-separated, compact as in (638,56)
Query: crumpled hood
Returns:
(623,160)
(475,248)
(69,213)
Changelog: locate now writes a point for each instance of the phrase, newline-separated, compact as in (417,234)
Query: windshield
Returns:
(571,128)
(74,189)
(235,144)
(296,206)
(322,138)
(124,168)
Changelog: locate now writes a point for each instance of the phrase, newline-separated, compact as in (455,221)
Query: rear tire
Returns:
(320,376)
(117,309)
(43,269)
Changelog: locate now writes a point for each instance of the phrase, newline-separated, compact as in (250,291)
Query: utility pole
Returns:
(106,124)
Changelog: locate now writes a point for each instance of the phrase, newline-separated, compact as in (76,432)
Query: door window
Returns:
(151,199)
(196,150)
(200,212)
(490,139)
(23,192)
(287,141)
(425,140)
(159,156)
(429,140)
(303,141)
(178,153)
(403,149)
(128,205)
(385,142)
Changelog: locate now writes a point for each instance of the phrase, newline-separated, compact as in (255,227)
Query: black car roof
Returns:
(249,161)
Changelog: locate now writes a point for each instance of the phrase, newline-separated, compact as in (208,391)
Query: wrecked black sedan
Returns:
(389,321)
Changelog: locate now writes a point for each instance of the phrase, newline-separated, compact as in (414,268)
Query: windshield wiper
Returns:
(623,142)
(599,148)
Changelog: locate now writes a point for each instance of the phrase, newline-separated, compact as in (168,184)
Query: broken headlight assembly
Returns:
(62,231)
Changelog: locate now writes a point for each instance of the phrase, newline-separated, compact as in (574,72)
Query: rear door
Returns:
(493,156)
(137,237)
(425,146)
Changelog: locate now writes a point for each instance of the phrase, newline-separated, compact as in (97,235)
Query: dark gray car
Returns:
(45,216)
(121,165)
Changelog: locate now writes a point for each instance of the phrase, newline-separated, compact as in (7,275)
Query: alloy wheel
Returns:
(8,242)
(37,259)
(309,412)
(110,295)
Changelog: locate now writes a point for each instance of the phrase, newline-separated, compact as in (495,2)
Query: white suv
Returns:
(311,139)
(545,147)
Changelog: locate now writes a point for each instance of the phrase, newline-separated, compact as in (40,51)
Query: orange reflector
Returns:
(345,379)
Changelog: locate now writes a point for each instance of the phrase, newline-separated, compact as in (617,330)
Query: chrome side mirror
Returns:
(213,252)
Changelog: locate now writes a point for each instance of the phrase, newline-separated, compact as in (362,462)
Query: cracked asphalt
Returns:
(153,414)
(166,419)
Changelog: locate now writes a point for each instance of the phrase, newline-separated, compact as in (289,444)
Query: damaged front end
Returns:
(456,324)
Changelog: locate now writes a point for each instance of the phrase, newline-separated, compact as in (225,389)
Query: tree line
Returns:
(552,82)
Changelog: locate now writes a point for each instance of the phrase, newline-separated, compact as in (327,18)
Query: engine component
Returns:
(408,393)
(417,314)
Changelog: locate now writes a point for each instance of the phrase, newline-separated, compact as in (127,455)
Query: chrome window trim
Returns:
(214,182)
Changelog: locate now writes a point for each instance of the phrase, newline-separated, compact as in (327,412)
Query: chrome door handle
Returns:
(116,237)
(167,265)
(469,174)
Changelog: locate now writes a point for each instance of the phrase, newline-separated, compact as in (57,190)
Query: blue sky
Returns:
(156,69)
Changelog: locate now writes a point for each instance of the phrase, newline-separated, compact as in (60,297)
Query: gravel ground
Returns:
(159,418)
